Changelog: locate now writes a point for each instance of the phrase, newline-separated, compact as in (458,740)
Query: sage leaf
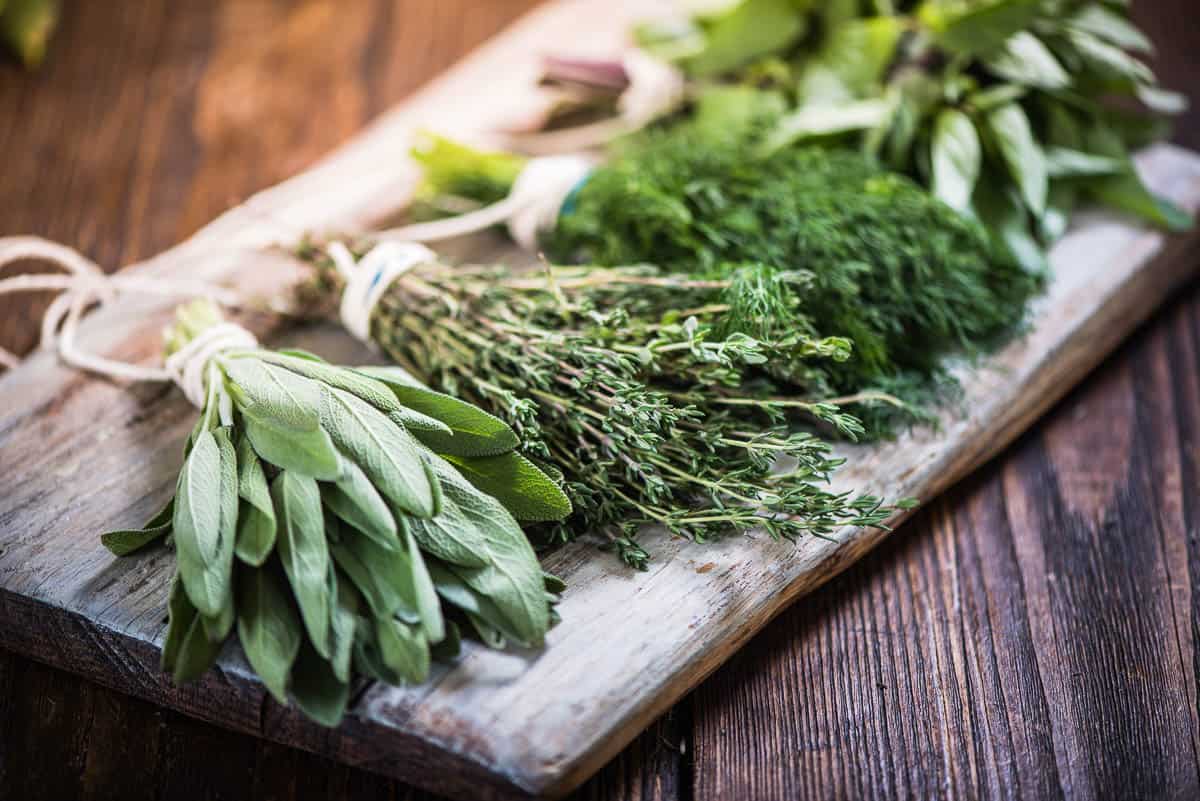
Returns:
(317,690)
(341,625)
(1025,60)
(187,651)
(450,646)
(256,517)
(273,393)
(268,628)
(125,541)
(524,490)
(356,383)
(424,593)
(403,649)
(491,636)
(356,501)
(217,627)
(474,432)
(366,658)
(956,159)
(203,527)
(382,575)
(308,451)
(387,453)
(304,552)
(453,535)
(1021,153)
(512,578)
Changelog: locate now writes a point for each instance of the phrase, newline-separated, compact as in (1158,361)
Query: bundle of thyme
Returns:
(631,383)
(342,521)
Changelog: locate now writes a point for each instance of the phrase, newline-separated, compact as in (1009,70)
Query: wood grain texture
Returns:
(646,778)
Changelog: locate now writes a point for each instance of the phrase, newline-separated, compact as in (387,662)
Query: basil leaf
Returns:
(1064,162)
(403,649)
(1024,59)
(744,32)
(1126,192)
(1021,153)
(526,492)
(956,159)
(382,575)
(308,451)
(474,431)
(125,541)
(356,501)
(1111,27)
(818,119)
(268,628)
(387,453)
(316,688)
(304,551)
(1109,60)
(256,519)
(1008,224)
(187,651)
(977,27)
(204,532)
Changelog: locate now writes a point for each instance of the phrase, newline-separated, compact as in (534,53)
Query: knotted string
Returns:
(531,208)
(367,279)
(655,89)
(87,286)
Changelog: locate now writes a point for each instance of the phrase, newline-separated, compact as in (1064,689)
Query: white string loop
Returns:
(369,278)
(86,286)
(531,208)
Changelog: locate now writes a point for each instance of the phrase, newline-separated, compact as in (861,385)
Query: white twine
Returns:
(531,208)
(655,89)
(87,286)
(369,278)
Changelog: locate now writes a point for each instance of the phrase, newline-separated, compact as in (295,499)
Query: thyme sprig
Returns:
(627,381)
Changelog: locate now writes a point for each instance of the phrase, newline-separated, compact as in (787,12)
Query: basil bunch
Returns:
(343,520)
(1003,108)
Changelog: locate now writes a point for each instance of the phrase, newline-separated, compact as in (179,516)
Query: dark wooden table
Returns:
(1032,634)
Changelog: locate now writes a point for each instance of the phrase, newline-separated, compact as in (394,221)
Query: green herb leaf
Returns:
(429,608)
(818,120)
(304,552)
(474,431)
(308,451)
(1110,26)
(355,500)
(349,380)
(1024,59)
(1008,223)
(125,541)
(268,628)
(204,528)
(976,27)
(388,454)
(403,649)
(256,518)
(956,159)
(187,651)
(526,492)
(316,688)
(746,31)
(1063,162)
(341,625)
(1022,155)
(382,575)
(269,392)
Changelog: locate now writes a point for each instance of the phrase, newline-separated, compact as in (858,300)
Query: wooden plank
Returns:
(495,725)
(1032,635)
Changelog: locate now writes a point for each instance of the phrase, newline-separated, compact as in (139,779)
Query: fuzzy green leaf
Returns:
(387,453)
(382,575)
(125,541)
(316,688)
(205,521)
(308,451)
(268,627)
(403,649)
(344,378)
(304,552)
(256,517)
(187,651)
(354,499)
(342,621)
(526,492)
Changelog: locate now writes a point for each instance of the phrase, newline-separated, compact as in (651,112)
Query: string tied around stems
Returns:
(531,208)
(86,287)
(369,278)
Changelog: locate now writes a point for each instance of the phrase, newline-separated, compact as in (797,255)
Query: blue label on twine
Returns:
(572,198)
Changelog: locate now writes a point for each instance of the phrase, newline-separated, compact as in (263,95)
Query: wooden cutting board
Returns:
(79,455)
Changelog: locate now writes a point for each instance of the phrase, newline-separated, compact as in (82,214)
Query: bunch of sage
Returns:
(344,521)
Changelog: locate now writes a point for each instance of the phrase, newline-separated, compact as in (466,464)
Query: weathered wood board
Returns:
(79,455)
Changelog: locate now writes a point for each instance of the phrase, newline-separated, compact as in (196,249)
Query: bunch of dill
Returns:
(624,381)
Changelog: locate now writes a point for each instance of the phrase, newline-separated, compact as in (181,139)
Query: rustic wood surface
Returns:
(1030,635)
